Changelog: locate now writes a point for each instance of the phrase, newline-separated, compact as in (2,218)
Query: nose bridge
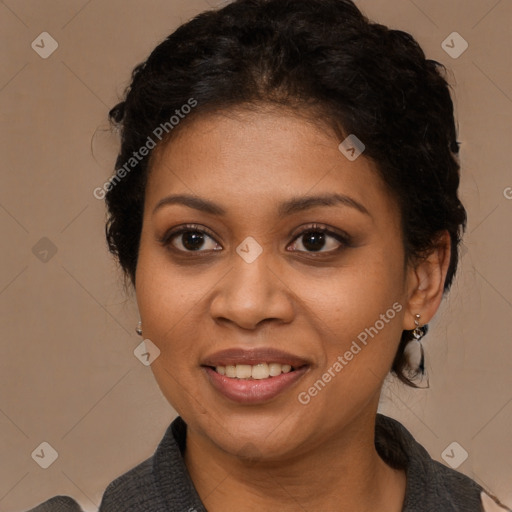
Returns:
(252,277)
(251,292)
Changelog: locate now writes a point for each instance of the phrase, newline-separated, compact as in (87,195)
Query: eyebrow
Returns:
(294,205)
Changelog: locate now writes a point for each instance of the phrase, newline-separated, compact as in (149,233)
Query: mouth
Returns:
(258,371)
(253,376)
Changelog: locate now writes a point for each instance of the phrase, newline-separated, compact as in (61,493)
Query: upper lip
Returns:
(234,356)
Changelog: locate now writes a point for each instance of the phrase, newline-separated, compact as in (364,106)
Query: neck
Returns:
(344,472)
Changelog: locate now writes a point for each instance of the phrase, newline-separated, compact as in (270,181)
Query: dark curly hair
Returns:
(321,57)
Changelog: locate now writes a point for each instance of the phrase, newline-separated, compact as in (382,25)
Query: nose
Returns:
(252,294)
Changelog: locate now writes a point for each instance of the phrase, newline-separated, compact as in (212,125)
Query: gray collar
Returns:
(431,486)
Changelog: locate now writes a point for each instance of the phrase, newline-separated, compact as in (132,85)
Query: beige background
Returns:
(68,375)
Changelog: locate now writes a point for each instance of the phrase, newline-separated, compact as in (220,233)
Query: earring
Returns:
(138,329)
(418,333)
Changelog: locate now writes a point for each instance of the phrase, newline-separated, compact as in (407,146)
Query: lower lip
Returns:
(253,391)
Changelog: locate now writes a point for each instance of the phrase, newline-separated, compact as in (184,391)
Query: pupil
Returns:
(192,240)
(314,240)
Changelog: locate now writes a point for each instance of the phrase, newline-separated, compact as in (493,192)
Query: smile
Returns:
(256,372)
(253,376)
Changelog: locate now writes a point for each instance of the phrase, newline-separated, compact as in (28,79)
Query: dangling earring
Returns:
(138,329)
(418,333)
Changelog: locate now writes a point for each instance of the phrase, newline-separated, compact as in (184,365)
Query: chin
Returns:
(258,435)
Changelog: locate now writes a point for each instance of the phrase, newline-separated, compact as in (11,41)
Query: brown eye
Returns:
(190,239)
(313,240)
(319,239)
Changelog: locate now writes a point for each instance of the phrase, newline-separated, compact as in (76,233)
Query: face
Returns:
(271,277)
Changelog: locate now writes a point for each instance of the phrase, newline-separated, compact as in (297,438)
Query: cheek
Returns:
(166,293)
(165,300)
(360,317)
(356,296)
(168,300)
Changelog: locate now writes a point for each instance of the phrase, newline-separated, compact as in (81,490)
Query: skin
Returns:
(281,454)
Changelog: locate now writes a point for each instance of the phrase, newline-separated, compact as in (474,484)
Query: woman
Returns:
(285,205)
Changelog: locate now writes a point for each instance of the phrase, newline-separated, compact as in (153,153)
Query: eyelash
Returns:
(342,237)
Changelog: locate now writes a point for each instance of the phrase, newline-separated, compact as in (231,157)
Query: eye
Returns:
(190,238)
(316,238)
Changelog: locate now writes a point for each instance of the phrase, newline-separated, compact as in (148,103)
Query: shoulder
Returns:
(160,482)
(131,488)
(58,504)
(134,490)
(138,489)
(430,485)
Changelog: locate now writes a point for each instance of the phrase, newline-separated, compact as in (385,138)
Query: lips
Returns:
(234,356)
(255,375)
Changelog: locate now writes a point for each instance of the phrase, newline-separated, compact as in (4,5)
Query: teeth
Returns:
(260,371)
(275,369)
(243,371)
(256,371)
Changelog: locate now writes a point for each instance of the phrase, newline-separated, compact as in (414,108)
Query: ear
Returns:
(425,282)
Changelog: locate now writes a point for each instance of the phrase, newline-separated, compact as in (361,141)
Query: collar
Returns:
(431,486)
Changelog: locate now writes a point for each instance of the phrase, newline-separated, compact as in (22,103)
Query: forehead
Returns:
(247,156)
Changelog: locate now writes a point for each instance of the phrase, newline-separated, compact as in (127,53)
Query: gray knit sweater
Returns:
(162,483)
